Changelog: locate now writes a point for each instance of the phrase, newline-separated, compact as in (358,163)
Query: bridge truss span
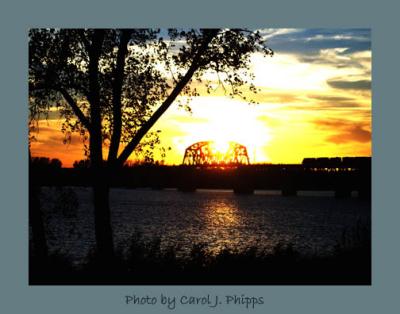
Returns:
(210,153)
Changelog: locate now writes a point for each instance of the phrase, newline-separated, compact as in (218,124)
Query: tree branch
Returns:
(78,112)
(84,39)
(169,100)
(96,142)
(71,102)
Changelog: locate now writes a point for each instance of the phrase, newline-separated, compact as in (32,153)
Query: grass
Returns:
(146,263)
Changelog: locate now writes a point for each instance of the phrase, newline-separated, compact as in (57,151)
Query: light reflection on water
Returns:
(218,218)
(223,221)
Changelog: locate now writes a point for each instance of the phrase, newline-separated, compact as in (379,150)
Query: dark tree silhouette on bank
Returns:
(113,85)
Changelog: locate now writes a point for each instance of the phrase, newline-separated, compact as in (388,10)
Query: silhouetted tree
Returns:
(112,86)
(45,163)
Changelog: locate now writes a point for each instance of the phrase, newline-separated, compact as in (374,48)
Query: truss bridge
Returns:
(215,154)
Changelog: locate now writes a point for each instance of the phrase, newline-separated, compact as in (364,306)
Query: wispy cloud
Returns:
(311,41)
(341,48)
(345,84)
(345,130)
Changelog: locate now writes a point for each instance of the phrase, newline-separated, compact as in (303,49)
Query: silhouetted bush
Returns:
(146,262)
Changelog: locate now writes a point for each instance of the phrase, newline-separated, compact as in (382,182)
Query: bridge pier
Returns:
(187,189)
(343,185)
(289,187)
(186,180)
(157,187)
(342,192)
(365,193)
(289,191)
(243,182)
(243,190)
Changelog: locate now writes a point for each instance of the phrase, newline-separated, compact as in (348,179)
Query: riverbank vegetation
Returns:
(147,263)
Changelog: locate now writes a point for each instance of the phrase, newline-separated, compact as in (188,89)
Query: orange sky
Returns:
(313,103)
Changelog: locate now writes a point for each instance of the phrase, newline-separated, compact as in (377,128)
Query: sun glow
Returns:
(222,121)
(220,147)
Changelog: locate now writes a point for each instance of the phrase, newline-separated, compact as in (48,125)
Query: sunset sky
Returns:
(315,101)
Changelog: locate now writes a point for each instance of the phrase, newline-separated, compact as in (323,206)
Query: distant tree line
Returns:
(85,163)
(45,163)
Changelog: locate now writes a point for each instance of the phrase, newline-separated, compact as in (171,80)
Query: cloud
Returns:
(341,48)
(354,134)
(311,41)
(355,85)
(48,142)
(315,101)
(345,131)
(270,33)
(324,101)
(277,97)
(340,58)
(330,98)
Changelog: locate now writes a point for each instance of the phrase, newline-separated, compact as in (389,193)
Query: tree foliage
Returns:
(112,85)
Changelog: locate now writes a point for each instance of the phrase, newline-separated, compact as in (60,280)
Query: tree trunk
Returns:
(39,243)
(102,214)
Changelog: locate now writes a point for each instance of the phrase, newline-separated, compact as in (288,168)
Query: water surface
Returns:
(217,217)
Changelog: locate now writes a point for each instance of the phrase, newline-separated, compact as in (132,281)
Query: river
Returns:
(312,222)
